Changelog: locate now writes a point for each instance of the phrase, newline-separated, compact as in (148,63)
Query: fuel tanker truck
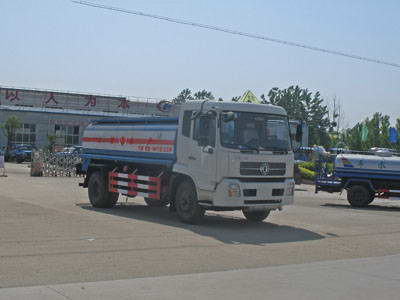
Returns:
(364,177)
(214,156)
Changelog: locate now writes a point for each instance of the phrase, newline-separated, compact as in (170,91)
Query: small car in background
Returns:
(20,153)
(72,150)
(68,152)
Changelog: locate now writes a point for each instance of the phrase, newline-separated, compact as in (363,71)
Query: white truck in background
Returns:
(214,156)
(364,176)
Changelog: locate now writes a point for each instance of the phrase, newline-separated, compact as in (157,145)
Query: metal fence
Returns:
(60,164)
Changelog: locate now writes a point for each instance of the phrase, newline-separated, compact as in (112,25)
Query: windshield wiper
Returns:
(274,149)
(252,148)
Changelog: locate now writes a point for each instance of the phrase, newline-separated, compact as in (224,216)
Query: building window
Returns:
(66,135)
(26,134)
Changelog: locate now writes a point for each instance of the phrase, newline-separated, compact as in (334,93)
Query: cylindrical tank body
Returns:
(145,139)
(367,165)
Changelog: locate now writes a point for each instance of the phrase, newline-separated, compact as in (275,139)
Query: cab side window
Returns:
(204,130)
(187,122)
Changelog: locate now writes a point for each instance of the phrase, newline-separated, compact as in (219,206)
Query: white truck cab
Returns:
(237,154)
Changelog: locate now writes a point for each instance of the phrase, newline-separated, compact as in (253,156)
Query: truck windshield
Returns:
(255,131)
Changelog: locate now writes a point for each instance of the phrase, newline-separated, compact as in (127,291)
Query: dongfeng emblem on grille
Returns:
(264,169)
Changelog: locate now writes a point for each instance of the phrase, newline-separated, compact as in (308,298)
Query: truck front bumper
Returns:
(262,195)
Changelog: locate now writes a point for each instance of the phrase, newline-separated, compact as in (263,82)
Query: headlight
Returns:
(234,190)
(290,189)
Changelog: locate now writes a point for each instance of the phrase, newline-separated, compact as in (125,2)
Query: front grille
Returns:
(278,192)
(258,168)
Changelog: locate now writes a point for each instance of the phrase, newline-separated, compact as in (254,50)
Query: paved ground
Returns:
(50,235)
(367,278)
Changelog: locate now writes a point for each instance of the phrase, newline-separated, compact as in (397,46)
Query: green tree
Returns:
(10,127)
(186,95)
(378,133)
(398,134)
(235,99)
(374,131)
(183,96)
(291,99)
(203,95)
(352,137)
(384,132)
(301,104)
(51,139)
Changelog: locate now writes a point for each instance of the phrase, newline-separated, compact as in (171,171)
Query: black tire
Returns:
(187,207)
(159,203)
(155,203)
(19,160)
(99,195)
(359,196)
(256,215)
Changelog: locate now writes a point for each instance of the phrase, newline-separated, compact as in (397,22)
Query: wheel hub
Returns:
(186,202)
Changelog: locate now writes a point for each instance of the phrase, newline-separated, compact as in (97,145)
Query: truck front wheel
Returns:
(155,203)
(255,215)
(359,196)
(99,195)
(187,208)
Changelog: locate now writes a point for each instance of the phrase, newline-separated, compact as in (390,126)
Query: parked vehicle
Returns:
(69,152)
(364,177)
(20,153)
(214,156)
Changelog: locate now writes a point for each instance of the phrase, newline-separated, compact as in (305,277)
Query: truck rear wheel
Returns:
(187,208)
(99,195)
(359,196)
(256,215)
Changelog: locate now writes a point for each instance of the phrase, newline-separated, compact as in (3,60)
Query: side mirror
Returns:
(202,141)
(299,133)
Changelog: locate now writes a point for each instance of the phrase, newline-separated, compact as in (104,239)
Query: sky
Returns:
(56,44)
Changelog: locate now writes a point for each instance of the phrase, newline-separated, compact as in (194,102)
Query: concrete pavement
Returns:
(368,278)
(50,236)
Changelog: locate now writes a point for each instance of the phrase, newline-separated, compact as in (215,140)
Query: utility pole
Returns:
(339,117)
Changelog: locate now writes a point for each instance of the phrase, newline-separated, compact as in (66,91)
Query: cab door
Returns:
(201,154)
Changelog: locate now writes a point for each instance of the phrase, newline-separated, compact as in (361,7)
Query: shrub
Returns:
(306,173)
(309,165)
(329,167)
